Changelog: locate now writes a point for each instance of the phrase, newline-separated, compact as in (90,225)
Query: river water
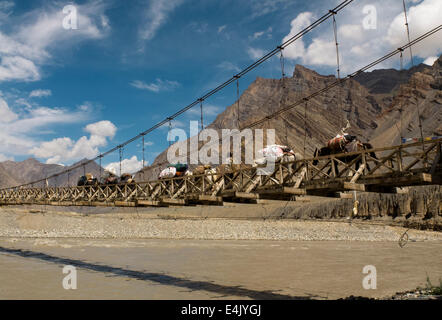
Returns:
(211,269)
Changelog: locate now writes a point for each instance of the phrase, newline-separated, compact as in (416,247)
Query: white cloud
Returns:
(5,158)
(18,68)
(297,49)
(65,149)
(228,66)
(359,46)
(21,130)
(157,86)
(40,93)
(255,53)
(5,10)
(131,165)
(263,7)
(6,114)
(260,34)
(221,28)
(430,60)
(350,31)
(156,15)
(421,18)
(208,110)
(27,47)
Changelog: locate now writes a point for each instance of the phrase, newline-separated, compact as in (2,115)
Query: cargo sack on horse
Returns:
(180,169)
(168,172)
(126,178)
(338,143)
(87,180)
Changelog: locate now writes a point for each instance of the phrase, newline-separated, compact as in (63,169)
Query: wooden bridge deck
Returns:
(398,166)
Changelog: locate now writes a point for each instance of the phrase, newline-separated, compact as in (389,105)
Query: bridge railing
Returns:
(408,164)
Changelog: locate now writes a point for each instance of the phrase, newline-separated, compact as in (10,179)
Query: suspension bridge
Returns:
(376,170)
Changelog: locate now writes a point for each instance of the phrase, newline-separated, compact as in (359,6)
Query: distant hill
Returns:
(16,173)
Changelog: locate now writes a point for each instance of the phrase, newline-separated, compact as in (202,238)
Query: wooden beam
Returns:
(152,203)
(282,191)
(246,195)
(354,186)
(179,202)
(205,197)
(125,203)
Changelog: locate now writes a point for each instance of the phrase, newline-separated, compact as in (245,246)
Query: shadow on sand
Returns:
(158,277)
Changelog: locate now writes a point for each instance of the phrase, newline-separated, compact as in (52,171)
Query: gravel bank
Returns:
(30,224)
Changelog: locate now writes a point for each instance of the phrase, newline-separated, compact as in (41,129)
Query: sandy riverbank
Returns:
(193,223)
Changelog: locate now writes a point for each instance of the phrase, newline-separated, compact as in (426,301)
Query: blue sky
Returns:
(70,94)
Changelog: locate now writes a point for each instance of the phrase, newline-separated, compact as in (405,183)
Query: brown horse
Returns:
(355,145)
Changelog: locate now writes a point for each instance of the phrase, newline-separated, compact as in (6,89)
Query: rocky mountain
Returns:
(388,80)
(16,173)
(371,102)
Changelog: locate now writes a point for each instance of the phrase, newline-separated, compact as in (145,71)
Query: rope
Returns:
(121,158)
(100,168)
(143,157)
(305,128)
(412,65)
(170,129)
(335,33)
(237,101)
(143,151)
(400,102)
(201,109)
(281,60)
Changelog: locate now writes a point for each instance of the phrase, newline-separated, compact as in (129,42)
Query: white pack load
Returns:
(169,172)
(272,153)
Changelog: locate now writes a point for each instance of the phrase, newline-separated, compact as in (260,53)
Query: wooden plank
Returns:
(416,179)
(205,197)
(354,186)
(174,201)
(153,203)
(344,195)
(284,190)
(358,173)
(301,177)
(228,193)
(102,204)
(125,203)
(246,195)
